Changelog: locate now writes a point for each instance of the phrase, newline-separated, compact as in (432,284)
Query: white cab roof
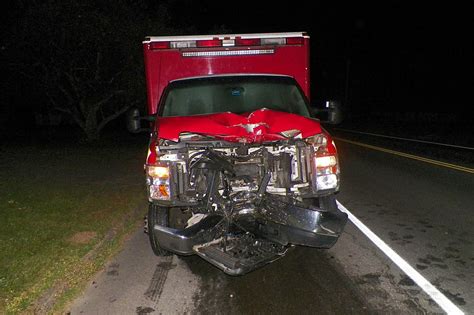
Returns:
(223,36)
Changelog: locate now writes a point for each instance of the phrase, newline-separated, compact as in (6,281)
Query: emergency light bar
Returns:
(206,41)
(228,53)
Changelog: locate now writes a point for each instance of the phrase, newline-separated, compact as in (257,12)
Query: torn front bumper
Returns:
(182,241)
(274,225)
(295,224)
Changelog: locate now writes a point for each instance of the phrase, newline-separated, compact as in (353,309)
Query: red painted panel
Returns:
(259,126)
(165,65)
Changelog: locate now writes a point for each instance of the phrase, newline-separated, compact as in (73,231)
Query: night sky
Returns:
(398,57)
(374,58)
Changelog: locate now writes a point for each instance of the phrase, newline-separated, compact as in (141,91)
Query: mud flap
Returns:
(242,253)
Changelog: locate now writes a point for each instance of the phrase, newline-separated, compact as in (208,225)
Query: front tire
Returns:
(157,216)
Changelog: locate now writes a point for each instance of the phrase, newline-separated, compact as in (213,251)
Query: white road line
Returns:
(424,284)
(406,139)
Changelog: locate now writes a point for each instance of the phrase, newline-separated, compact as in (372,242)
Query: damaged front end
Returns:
(242,204)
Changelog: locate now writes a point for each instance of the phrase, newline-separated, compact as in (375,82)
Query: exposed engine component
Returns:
(237,224)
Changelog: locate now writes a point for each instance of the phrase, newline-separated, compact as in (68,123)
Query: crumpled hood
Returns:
(258,126)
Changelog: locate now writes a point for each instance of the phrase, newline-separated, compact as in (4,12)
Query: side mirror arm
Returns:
(134,121)
(331,113)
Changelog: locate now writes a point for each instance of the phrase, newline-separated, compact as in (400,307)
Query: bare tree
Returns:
(85,56)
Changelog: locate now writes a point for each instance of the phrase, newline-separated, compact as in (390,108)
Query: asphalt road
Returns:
(422,211)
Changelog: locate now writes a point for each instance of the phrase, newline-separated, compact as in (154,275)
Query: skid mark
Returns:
(158,280)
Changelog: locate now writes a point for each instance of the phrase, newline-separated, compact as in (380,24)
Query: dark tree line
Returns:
(84,58)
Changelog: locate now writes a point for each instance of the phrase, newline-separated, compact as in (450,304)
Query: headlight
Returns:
(158,181)
(330,181)
(161,172)
(326,166)
(159,192)
(325,161)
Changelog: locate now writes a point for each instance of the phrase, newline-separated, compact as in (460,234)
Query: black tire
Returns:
(159,216)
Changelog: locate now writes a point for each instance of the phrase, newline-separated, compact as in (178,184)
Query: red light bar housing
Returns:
(295,41)
(209,43)
(247,41)
(201,41)
(159,45)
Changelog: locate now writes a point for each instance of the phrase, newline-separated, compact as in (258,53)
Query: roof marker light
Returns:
(247,41)
(159,45)
(295,41)
(209,43)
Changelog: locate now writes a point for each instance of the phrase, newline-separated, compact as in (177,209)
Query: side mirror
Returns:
(334,112)
(331,113)
(134,121)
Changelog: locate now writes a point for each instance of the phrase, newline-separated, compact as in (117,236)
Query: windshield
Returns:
(238,94)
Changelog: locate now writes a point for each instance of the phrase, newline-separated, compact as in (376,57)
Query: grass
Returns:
(57,203)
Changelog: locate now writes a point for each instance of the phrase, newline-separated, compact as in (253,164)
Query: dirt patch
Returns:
(82,237)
